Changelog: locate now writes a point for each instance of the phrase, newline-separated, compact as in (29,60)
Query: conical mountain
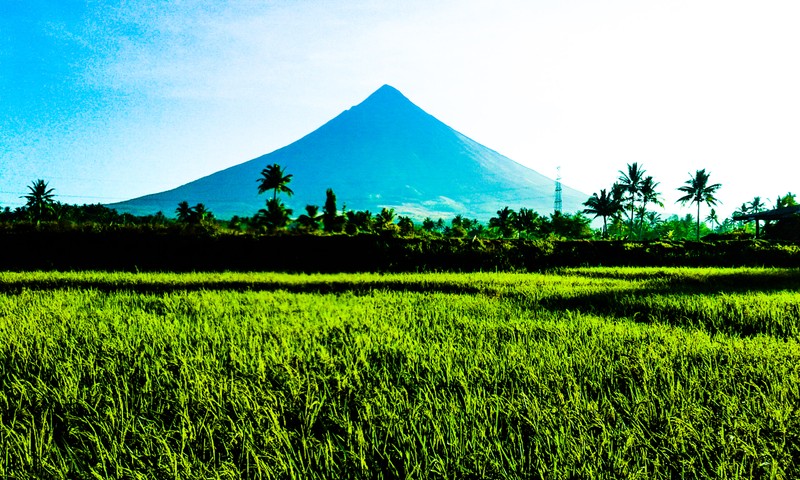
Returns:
(384,152)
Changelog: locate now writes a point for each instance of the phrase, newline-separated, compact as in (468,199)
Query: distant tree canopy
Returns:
(40,204)
(698,190)
(624,209)
(631,181)
(332,222)
(274,178)
(192,216)
(606,205)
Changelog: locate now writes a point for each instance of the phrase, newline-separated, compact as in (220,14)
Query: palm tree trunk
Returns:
(698,221)
(641,220)
(633,204)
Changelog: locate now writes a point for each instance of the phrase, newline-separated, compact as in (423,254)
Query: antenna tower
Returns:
(557,203)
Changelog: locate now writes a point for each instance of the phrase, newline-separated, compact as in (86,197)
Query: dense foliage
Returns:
(589,373)
(629,197)
(155,250)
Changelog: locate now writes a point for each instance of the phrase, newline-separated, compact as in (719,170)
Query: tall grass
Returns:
(585,373)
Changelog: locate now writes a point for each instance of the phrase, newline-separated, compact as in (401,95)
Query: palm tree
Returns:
(275,216)
(184,212)
(649,195)
(504,222)
(406,225)
(631,182)
(39,200)
(756,205)
(385,217)
(526,221)
(604,205)
(653,220)
(469,223)
(789,200)
(741,211)
(201,214)
(310,220)
(274,178)
(698,190)
(713,219)
(727,225)
(358,221)
(384,221)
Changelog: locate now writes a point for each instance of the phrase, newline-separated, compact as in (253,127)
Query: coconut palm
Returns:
(756,205)
(201,214)
(385,217)
(274,178)
(788,200)
(698,190)
(358,221)
(275,216)
(526,221)
(40,202)
(504,222)
(744,209)
(406,225)
(469,223)
(649,195)
(309,221)
(713,219)
(604,205)
(184,213)
(384,221)
(653,220)
(631,182)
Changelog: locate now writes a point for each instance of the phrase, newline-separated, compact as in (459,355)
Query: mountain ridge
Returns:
(384,152)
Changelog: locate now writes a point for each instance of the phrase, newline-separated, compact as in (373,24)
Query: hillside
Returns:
(384,152)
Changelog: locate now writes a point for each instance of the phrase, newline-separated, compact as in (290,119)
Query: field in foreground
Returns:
(580,373)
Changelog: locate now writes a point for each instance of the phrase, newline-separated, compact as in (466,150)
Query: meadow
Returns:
(573,373)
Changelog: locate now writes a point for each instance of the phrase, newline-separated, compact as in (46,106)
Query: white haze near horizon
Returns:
(153,95)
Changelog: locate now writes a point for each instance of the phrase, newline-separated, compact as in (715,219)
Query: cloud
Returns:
(589,86)
(216,50)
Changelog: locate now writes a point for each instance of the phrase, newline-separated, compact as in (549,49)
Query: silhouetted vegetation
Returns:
(45,233)
(144,249)
(606,205)
(698,190)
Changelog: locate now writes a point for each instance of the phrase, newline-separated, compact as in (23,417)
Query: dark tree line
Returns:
(624,209)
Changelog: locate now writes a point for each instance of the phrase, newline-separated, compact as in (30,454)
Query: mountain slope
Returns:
(384,152)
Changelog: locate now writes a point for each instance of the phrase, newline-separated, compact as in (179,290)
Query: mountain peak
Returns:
(387,91)
(385,152)
(385,96)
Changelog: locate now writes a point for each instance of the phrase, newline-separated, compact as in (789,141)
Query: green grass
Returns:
(581,373)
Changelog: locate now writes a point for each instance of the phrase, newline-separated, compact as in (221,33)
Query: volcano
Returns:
(384,152)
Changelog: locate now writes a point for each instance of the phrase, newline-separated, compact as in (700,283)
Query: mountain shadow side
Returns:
(384,152)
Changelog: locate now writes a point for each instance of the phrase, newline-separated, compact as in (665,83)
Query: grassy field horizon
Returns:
(573,373)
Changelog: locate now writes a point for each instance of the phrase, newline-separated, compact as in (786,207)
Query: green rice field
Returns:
(575,373)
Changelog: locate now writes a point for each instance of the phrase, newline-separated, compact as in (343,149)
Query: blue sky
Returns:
(109,100)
